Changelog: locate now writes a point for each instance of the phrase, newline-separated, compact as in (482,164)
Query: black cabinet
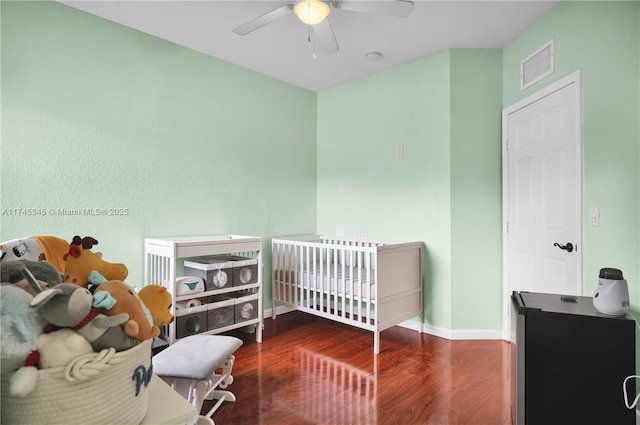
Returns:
(570,362)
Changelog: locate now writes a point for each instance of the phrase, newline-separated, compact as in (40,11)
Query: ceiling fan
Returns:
(315,14)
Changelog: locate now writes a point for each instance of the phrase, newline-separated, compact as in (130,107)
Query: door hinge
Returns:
(507,225)
(506,145)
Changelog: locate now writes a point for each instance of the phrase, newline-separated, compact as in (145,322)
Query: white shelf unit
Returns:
(162,256)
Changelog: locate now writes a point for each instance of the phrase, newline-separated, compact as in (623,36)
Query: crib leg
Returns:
(376,342)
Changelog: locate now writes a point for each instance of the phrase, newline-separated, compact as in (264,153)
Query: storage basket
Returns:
(220,312)
(190,321)
(99,388)
(244,269)
(246,308)
(216,272)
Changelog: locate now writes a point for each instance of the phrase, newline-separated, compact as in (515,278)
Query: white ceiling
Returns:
(281,49)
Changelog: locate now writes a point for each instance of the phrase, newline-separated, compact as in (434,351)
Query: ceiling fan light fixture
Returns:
(311,12)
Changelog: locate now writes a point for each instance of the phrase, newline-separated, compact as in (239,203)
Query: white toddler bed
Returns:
(368,284)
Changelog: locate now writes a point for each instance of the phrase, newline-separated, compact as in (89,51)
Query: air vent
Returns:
(537,65)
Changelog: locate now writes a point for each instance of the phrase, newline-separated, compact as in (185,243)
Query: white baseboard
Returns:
(484,334)
(462,334)
(411,324)
(455,334)
(430,329)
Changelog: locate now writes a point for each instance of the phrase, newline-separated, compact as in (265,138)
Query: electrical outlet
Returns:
(400,151)
(594,217)
(340,230)
(361,233)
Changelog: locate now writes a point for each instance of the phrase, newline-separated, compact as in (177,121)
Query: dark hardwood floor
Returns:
(310,370)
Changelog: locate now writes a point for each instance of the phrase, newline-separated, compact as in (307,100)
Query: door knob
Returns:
(568,247)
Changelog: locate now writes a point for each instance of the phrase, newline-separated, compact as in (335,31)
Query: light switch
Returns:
(340,187)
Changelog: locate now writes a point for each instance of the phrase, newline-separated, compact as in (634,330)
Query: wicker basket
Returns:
(99,388)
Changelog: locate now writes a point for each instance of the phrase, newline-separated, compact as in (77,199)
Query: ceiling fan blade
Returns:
(263,20)
(398,8)
(325,38)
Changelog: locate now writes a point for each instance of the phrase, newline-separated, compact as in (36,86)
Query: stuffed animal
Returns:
(158,301)
(54,349)
(71,306)
(36,248)
(140,324)
(45,273)
(80,262)
(20,326)
(59,347)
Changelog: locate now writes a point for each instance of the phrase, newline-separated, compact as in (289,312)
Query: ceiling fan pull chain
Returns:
(309,24)
(309,39)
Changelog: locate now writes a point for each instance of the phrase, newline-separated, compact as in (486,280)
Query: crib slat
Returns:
(320,280)
(368,291)
(298,280)
(334,261)
(303,280)
(281,272)
(360,297)
(275,257)
(312,279)
(305,277)
(351,278)
(291,288)
(285,274)
(294,267)
(288,284)
(343,282)
(327,278)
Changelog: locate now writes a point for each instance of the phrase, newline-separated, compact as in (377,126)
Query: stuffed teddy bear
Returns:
(20,326)
(54,349)
(158,301)
(140,324)
(36,248)
(45,273)
(71,306)
(80,262)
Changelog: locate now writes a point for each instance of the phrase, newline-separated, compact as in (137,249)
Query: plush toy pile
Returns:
(54,311)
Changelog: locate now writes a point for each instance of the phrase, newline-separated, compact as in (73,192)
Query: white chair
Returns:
(190,366)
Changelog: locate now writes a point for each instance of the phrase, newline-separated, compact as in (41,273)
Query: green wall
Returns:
(445,110)
(447,190)
(601,39)
(96,115)
(476,189)
(360,124)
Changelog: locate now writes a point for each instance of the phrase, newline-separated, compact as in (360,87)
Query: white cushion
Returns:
(195,357)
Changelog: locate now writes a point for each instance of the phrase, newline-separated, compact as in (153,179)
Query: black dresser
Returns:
(570,362)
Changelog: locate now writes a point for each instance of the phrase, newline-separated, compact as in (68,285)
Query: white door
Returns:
(542,189)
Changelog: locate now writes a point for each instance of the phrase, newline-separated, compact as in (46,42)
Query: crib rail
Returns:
(331,277)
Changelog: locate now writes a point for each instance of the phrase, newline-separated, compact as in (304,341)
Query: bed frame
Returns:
(372,285)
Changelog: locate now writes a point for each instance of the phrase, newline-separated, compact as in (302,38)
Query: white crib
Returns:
(372,285)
